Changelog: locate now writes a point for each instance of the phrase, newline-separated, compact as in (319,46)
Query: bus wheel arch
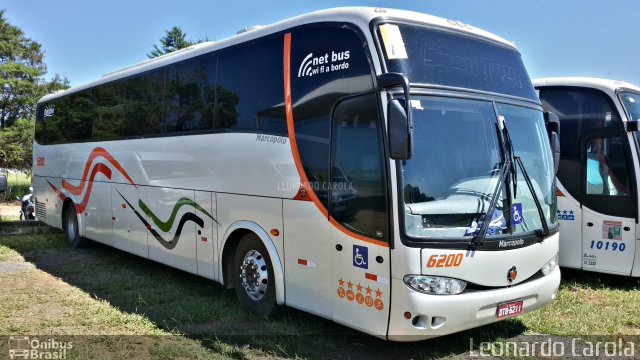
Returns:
(74,236)
(231,240)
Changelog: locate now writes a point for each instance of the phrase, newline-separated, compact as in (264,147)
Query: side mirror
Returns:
(400,128)
(632,125)
(552,123)
(3,182)
(400,131)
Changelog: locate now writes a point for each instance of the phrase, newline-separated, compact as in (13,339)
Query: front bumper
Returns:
(437,315)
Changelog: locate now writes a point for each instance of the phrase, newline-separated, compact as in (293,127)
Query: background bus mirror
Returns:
(632,125)
(3,182)
(400,131)
(552,123)
(555,150)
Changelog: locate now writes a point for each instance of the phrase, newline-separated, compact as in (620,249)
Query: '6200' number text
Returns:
(444,261)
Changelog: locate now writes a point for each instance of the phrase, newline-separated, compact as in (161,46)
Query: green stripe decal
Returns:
(166,225)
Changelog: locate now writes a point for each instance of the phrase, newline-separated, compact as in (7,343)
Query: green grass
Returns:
(591,304)
(18,186)
(101,290)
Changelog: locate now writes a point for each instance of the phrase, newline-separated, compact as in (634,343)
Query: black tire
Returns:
(261,303)
(71,229)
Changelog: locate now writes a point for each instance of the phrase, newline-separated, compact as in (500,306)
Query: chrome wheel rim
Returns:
(254,275)
(71,226)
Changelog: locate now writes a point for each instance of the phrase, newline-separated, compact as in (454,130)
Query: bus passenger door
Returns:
(609,209)
(570,218)
(359,215)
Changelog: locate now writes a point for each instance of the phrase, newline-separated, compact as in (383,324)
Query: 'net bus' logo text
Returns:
(23,347)
(326,63)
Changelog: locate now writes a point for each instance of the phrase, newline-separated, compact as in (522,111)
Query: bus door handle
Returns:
(589,224)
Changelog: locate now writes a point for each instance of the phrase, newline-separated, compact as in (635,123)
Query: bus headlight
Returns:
(436,285)
(550,266)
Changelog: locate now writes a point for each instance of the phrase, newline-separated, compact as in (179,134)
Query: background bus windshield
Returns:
(631,102)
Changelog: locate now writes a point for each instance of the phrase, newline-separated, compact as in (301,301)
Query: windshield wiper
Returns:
(517,160)
(478,240)
(527,179)
(506,169)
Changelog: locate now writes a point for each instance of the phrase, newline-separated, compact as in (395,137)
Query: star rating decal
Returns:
(363,296)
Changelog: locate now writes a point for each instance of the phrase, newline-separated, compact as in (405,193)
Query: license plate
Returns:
(509,309)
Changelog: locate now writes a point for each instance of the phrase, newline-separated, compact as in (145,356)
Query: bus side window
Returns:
(358,187)
(607,169)
(317,87)
(582,111)
(109,109)
(250,88)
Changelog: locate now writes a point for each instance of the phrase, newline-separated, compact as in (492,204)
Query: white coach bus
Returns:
(341,162)
(597,178)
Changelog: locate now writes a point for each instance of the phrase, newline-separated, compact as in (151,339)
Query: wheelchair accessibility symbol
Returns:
(360,256)
(516,214)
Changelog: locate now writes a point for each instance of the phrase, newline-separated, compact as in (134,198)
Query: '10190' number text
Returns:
(613,246)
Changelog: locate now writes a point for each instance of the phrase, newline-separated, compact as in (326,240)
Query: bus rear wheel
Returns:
(71,229)
(254,280)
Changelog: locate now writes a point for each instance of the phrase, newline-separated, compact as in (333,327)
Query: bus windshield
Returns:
(631,102)
(449,182)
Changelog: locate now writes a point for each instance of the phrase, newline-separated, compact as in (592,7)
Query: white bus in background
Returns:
(597,178)
(340,162)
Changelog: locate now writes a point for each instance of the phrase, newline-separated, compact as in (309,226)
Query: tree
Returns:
(22,84)
(16,150)
(22,69)
(175,39)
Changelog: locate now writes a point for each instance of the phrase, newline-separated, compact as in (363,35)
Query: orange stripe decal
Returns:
(58,193)
(96,169)
(304,181)
(97,152)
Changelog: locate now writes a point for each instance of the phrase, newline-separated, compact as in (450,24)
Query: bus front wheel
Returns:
(254,280)
(71,229)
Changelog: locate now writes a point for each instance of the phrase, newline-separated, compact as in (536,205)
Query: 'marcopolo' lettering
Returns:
(510,243)
(271,139)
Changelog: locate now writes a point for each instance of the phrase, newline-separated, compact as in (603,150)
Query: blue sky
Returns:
(85,39)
